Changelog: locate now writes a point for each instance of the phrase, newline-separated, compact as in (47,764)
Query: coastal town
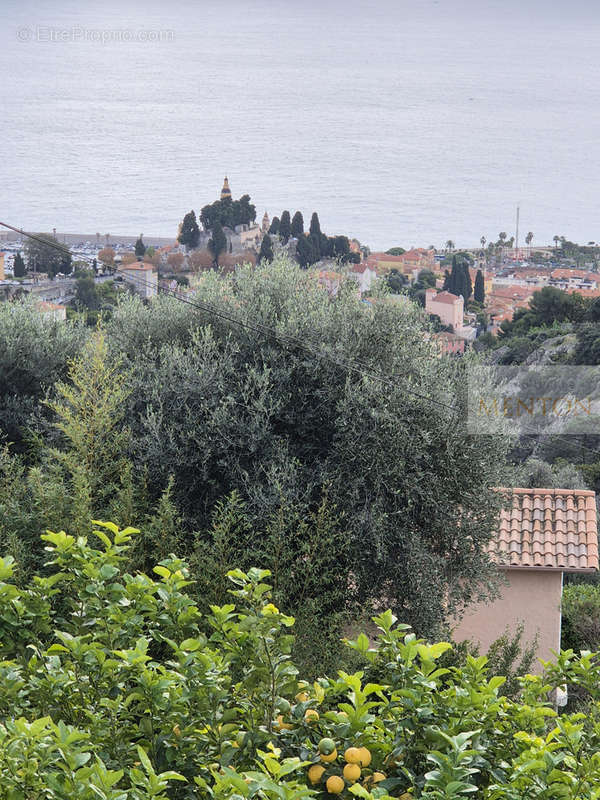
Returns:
(509,274)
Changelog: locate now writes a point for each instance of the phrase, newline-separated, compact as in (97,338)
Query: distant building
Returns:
(414,260)
(142,277)
(364,275)
(53,311)
(2,275)
(448,307)
(225,191)
(450,343)
(330,280)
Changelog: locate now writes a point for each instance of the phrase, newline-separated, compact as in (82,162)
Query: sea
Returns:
(401,122)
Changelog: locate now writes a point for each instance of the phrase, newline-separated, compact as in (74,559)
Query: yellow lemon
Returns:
(311,715)
(352,755)
(335,784)
(351,772)
(329,757)
(315,773)
(302,697)
(280,725)
(378,776)
(365,756)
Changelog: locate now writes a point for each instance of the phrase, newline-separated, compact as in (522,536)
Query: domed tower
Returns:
(266,223)
(225,191)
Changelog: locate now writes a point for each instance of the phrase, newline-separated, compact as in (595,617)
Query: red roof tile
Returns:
(548,529)
(443,297)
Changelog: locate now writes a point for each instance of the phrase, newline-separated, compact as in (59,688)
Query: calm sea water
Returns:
(404,122)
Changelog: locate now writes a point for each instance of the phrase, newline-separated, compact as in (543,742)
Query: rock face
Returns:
(552,351)
(497,356)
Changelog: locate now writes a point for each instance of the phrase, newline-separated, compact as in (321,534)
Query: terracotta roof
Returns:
(575,273)
(384,257)
(548,529)
(443,297)
(46,305)
(512,291)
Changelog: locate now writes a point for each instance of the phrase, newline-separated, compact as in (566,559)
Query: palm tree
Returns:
(529,239)
(502,236)
(449,245)
(556,240)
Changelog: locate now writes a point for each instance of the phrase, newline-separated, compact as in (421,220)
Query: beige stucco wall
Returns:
(531,596)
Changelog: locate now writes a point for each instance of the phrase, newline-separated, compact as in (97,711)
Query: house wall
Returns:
(449,313)
(531,596)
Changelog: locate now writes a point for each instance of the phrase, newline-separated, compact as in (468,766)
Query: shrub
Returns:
(581,617)
(109,689)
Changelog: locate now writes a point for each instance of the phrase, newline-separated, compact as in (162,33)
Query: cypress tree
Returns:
(479,292)
(18,266)
(218,243)
(466,282)
(190,232)
(285,227)
(266,249)
(304,251)
(274,229)
(446,281)
(315,242)
(140,247)
(297,225)
(315,225)
(454,280)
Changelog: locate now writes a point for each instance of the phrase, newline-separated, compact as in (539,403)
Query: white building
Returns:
(142,277)
(364,275)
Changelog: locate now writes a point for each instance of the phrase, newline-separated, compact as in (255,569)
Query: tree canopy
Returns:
(51,258)
(266,249)
(217,244)
(228,213)
(189,234)
(114,684)
(220,408)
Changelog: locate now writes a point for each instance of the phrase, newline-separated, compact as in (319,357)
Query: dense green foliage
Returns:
(458,281)
(266,249)
(285,227)
(217,244)
(34,354)
(18,266)
(140,247)
(369,480)
(479,290)
(228,213)
(50,258)
(189,233)
(297,225)
(113,685)
(581,617)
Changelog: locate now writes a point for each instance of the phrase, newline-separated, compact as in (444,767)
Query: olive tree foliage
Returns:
(34,353)
(339,396)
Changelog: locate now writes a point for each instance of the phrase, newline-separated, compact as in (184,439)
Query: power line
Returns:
(355,366)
